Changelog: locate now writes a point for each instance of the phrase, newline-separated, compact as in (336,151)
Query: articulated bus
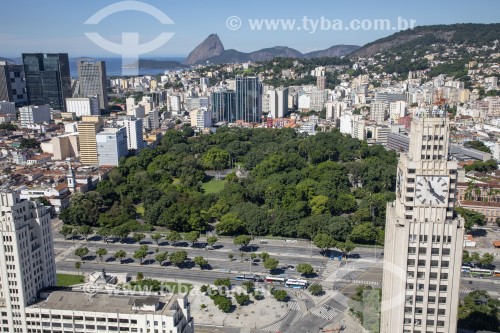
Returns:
(273,279)
(296,284)
(466,269)
(481,272)
(253,278)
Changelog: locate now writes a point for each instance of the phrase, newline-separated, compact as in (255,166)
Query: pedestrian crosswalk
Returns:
(326,313)
(465,291)
(272,328)
(369,283)
(293,306)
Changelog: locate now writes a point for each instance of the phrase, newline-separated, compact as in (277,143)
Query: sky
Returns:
(59,25)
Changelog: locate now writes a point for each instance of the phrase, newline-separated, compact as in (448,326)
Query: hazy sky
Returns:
(58,25)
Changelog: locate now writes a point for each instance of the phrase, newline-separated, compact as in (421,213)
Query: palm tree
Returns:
(477,192)
(468,191)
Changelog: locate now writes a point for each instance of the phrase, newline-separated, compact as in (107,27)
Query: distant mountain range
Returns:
(149,64)
(211,50)
(8,60)
(469,34)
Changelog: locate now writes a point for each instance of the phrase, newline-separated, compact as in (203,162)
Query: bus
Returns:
(275,279)
(466,269)
(480,272)
(296,284)
(253,278)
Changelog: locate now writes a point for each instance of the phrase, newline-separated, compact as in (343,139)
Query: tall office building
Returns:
(84,106)
(12,84)
(133,127)
(378,111)
(111,145)
(31,116)
(321,82)
(423,239)
(48,79)
(87,130)
(92,81)
(29,305)
(248,99)
(278,102)
(26,257)
(223,106)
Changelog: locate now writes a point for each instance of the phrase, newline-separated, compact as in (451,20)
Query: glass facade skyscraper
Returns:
(12,84)
(48,79)
(223,106)
(248,99)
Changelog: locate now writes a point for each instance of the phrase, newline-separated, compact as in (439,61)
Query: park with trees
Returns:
(298,186)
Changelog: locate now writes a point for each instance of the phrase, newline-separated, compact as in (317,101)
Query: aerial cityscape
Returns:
(225,168)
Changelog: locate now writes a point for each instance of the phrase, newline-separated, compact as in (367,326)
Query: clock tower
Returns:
(423,241)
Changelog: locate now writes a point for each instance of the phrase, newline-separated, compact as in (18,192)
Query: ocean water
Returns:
(114,66)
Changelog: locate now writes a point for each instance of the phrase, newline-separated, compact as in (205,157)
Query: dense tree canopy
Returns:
(298,186)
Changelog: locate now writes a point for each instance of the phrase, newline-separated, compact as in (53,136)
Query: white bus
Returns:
(275,279)
(296,284)
(481,272)
(466,269)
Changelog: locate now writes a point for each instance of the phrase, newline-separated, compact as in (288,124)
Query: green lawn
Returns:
(213,186)
(176,181)
(66,280)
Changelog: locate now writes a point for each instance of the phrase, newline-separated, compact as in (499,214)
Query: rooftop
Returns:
(105,302)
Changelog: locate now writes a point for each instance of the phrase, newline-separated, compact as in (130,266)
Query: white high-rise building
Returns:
(34,115)
(133,127)
(87,106)
(278,102)
(26,257)
(111,145)
(378,111)
(397,110)
(201,118)
(152,120)
(423,241)
(28,305)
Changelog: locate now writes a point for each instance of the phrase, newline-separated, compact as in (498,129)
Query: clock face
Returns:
(432,190)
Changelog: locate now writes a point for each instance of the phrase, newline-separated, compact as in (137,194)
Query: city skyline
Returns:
(50,37)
